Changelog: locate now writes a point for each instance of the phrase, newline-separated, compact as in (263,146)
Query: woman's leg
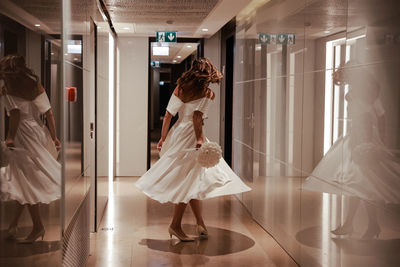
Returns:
(35,215)
(354,202)
(177,219)
(195,204)
(347,227)
(373,225)
(17,214)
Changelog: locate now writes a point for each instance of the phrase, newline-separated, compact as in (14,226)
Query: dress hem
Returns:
(186,202)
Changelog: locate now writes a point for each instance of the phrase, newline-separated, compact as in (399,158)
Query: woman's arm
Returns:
(198,128)
(381,127)
(52,128)
(165,129)
(13,127)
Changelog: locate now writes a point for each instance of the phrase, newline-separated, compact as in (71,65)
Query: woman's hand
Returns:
(2,90)
(10,142)
(57,143)
(199,143)
(159,145)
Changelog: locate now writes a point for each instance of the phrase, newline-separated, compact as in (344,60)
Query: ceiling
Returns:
(317,18)
(186,17)
(145,17)
(177,52)
(129,17)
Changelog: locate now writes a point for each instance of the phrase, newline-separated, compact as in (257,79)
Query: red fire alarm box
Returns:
(71,94)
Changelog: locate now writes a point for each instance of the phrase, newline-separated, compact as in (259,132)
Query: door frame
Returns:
(200,53)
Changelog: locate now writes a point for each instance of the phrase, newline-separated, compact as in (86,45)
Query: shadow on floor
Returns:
(11,249)
(380,248)
(219,242)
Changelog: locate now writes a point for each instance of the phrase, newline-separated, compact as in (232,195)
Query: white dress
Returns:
(177,176)
(33,174)
(359,164)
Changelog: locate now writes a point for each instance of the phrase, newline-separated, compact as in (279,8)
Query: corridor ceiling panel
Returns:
(145,17)
(47,13)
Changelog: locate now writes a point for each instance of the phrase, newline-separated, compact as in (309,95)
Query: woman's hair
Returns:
(198,77)
(13,66)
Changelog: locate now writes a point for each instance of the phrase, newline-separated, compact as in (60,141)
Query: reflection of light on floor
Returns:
(110,224)
(325,229)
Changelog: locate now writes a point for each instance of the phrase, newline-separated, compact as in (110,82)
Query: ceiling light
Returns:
(160,51)
(189,46)
(52,53)
(75,58)
(178,56)
(174,61)
(204,30)
(37,25)
(327,31)
(126,28)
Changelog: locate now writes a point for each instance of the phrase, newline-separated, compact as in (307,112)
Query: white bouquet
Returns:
(209,154)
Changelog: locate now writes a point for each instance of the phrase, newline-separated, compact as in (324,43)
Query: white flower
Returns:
(209,154)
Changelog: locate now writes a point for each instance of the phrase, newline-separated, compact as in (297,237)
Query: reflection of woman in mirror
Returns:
(359,165)
(33,174)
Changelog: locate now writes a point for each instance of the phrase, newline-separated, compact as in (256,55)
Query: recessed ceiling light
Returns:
(174,61)
(189,46)
(204,30)
(37,25)
(75,58)
(178,56)
(327,31)
(126,28)
(52,53)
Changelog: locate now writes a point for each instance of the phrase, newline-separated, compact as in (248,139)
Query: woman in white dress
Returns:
(177,177)
(32,175)
(359,165)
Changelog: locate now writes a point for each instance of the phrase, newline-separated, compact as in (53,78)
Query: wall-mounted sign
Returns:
(168,37)
(281,38)
(155,64)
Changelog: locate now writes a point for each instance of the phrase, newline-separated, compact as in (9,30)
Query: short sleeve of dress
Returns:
(42,102)
(9,103)
(203,106)
(379,108)
(174,105)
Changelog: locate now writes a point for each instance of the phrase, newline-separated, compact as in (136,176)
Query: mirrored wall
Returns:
(54,183)
(316,114)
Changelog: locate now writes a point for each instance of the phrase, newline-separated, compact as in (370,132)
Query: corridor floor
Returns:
(134,232)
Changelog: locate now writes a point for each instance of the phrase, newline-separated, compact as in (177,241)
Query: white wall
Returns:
(212,51)
(131,106)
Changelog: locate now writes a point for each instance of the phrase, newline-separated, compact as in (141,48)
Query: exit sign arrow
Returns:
(168,37)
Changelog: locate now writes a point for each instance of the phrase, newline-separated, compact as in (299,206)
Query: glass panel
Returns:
(317,122)
(77,178)
(268,114)
(30,173)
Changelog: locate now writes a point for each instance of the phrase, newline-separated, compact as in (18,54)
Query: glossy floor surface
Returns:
(134,232)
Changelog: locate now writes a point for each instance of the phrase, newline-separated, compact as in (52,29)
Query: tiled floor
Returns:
(133,232)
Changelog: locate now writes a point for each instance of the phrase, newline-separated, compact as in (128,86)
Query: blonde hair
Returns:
(198,77)
(12,66)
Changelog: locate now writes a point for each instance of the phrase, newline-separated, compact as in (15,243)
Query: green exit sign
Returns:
(280,38)
(168,37)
